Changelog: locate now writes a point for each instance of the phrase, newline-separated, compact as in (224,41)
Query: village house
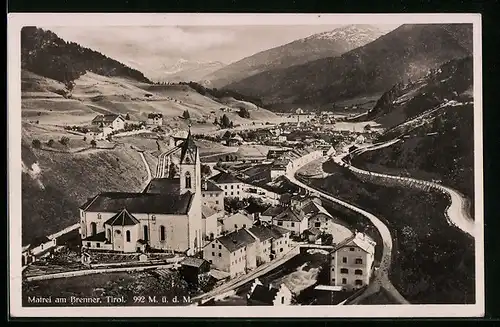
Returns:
(191,269)
(291,220)
(231,186)
(95,133)
(115,122)
(155,119)
(273,241)
(167,217)
(261,295)
(234,253)
(352,262)
(360,139)
(210,217)
(299,111)
(235,140)
(236,221)
(212,195)
(38,247)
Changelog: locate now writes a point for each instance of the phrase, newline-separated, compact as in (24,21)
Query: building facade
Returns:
(352,262)
(231,186)
(234,253)
(167,218)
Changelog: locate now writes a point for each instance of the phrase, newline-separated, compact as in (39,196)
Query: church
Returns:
(168,220)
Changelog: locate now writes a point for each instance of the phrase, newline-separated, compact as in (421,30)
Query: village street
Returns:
(243,279)
(457,213)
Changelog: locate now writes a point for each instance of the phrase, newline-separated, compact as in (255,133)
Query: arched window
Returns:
(109,234)
(188,180)
(162,233)
(127,234)
(145,233)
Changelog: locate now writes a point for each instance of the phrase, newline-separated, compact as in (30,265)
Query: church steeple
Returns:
(190,167)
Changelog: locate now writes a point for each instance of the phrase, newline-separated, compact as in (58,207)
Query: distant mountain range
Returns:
(186,70)
(406,52)
(317,46)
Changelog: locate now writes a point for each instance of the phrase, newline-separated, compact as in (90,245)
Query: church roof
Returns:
(163,186)
(169,204)
(123,218)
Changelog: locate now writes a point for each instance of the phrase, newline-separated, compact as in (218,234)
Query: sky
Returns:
(150,48)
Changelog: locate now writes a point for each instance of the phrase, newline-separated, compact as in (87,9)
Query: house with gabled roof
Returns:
(165,216)
(155,119)
(234,253)
(261,294)
(231,185)
(352,261)
(114,121)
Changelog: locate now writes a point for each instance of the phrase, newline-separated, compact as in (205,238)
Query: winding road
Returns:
(457,212)
(381,275)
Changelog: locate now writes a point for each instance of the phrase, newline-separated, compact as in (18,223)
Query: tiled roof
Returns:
(261,232)
(288,215)
(163,186)
(236,240)
(360,240)
(105,118)
(313,231)
(273,211)
(193,262)
(207,211)
(224,178)
(263,294)
(140,203)
(212,187)
(123,218)
(155,115)
(278,231)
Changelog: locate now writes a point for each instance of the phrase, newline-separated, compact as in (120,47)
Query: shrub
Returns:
(36,143)
(64,140)
(186,115)
(84,138)
(50,142)
(244,113)
(93,143)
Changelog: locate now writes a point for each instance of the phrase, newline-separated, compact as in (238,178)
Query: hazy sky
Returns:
(149,48)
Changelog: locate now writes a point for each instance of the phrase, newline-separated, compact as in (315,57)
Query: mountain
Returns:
(435,118)
(451,81)
(317,46)
(185,70)
(406,52)
(46,54)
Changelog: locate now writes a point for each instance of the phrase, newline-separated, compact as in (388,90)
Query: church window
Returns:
(93,227)
(127,234)
(145,233)
(162,233)
(153,218)
(109,234)
(118,232)
(99,216)
(188,180)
